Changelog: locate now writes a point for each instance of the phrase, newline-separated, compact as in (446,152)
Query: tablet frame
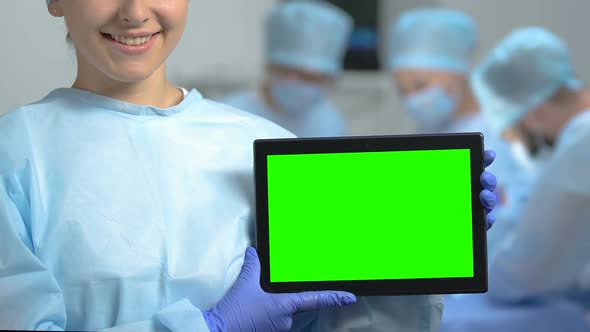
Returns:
(472,141)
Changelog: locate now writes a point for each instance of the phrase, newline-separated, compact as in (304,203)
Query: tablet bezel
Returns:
(471,141)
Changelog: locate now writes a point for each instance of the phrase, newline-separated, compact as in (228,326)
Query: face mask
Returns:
(296,96)
(432,108)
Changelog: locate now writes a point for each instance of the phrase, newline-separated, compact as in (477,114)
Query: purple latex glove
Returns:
(487,196)
(246,307)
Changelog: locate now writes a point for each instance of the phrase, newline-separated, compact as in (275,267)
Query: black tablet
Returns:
(386,215)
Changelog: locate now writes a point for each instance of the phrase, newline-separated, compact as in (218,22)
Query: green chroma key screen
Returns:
(370,215)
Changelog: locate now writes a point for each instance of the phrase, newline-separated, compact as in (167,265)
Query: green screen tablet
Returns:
(373,215)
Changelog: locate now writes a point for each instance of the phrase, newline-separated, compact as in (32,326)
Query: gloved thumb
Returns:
(488,199)
(490,220)
(308,301)
(488,157)
(488,181)
(251,267)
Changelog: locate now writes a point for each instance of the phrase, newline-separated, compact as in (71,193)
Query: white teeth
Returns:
(131,41)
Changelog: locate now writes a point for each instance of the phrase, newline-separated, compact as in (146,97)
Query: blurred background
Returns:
(222,50)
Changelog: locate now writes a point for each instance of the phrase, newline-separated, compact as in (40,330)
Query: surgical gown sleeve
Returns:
(30,296)
(549,249)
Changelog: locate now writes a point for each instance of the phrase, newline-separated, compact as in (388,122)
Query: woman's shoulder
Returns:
(18,126)
(14,140)
(34,108)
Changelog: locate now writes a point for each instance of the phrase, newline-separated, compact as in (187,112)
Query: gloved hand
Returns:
(246,307)
(487,195)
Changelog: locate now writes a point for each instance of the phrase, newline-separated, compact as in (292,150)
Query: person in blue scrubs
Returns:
(305,46)
(430,56)
(126,201)
(539,276)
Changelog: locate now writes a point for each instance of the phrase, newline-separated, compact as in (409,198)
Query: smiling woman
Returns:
(124,42)
(126,201)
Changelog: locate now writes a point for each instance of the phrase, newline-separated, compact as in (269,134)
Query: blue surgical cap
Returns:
(48,1)
(310,35)
(432,38)
(524,70)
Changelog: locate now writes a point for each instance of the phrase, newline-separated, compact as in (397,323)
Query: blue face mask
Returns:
(432,108)
(296,96)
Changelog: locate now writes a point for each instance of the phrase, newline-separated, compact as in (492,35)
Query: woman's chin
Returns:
(131,76)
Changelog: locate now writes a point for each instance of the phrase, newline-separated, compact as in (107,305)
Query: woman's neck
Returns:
(155,90)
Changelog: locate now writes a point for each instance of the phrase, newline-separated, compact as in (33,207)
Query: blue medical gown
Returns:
(540,272)
(134,218)
(548,254)
(323,120)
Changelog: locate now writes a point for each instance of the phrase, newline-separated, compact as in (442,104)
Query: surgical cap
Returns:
(524,70)
(310,35)
(432,38)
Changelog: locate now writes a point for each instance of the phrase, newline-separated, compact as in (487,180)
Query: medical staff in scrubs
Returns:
(528,81)
(126,201)
(305,46)
(430,56)
(540,277)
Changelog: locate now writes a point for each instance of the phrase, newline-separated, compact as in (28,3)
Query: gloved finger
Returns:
(251,267)
(488,157)
(308,301)
(487,199)
(490,220)
(488,181)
